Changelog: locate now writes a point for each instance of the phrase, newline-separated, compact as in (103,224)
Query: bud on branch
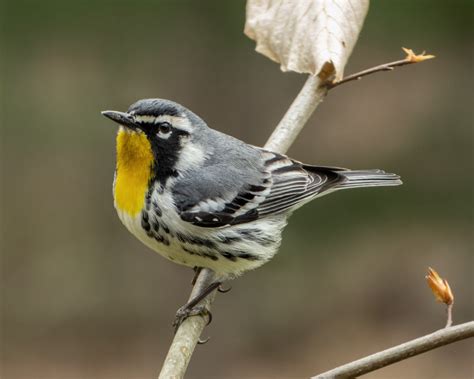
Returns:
(442,292)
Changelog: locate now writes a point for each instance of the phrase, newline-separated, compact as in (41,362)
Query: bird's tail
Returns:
(367,178)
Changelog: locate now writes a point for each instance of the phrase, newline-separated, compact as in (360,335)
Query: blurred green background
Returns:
(82,298)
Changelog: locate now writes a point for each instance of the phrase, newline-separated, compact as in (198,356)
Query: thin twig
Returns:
(358,75)
(411,58)
(449,314)
(398,353)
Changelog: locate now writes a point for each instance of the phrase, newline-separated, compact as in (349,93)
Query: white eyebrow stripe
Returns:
(182,123)
(145,118)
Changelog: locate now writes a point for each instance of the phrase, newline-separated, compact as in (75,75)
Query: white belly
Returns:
(229,251)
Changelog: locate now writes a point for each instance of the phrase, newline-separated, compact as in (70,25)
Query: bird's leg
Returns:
(197,271)
(193,308)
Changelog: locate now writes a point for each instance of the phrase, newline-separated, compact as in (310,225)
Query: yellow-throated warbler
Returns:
(202,198)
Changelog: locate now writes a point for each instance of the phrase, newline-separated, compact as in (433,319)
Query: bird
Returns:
(204,199)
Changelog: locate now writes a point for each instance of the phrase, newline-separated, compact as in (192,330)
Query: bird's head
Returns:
(156,131)
(163,124)
(157,140)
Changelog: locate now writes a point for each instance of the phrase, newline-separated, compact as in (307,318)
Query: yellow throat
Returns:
(134,164)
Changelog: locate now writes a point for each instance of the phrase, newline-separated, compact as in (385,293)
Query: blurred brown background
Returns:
(82,298)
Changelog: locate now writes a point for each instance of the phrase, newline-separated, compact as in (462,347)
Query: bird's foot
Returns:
(187,311)
(193,308)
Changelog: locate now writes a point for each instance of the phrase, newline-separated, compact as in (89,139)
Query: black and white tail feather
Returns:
(368,178)
(294,183)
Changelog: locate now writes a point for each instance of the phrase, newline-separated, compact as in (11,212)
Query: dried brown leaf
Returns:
(310,36)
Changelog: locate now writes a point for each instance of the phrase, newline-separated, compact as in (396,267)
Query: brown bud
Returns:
(440,287)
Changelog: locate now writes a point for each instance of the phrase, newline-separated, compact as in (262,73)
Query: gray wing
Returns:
(220,194)
(294,183)
(233,193)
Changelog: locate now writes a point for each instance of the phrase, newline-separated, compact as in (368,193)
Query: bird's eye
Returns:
(164,128)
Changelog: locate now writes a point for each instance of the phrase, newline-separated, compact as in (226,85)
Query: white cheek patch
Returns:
(191,156)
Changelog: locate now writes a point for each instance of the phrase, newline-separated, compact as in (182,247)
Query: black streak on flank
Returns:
(229,256)
(196,241)
(248,256)
(205,255)
(213,257)
(161,239)
(165,227)
(152,229)
(157,209)
(188,250)
(145,223)
(229,240)
(148,197)
(253,236)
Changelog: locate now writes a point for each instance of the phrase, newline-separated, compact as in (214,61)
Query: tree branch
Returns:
(311,95)
(398,353)
(297,115)
(188,333)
